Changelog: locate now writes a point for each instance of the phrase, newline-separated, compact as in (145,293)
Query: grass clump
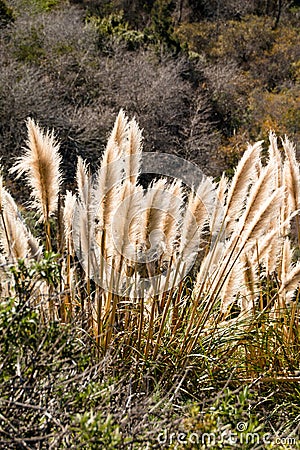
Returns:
(156,296)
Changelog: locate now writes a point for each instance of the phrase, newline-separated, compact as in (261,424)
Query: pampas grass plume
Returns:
(41,164)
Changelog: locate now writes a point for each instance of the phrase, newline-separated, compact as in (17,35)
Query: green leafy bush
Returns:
(114,27)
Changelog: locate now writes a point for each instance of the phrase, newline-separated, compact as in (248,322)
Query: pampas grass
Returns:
(197,215)
(245,174)
(126,225)
(41,164)
(153,213)
(137,246)
(133,152)
(173,216)
(108,178)
(16,239)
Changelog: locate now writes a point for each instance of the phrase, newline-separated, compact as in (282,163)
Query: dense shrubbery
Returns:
(65,74)
(54,393)
(73,69)
(250,63)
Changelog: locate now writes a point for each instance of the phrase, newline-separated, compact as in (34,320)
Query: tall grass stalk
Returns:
(41,164)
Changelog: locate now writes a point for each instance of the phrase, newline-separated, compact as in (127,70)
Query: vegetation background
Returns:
(202,78)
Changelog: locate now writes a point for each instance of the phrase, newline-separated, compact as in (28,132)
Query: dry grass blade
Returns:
(1,190)
(68,215)
(231,287)
(154,208)
(198,213)
(84,214)
(245,173)
(173,215)
(269,248)
(133,152)
(291,177)
(17,240)
(248,286)
(260,191)
(83,235)
(242,242)
(292,280)
(208,269)
(286,260)
(13,242)
(264,215)
(109,176)
(126,224)
(217,216)
(291,174)
(84,182)
(118,136)
(275,156)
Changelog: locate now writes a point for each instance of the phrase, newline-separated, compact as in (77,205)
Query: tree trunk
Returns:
(278,14)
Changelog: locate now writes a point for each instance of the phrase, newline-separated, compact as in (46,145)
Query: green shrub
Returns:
(30,46)
(115,27)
